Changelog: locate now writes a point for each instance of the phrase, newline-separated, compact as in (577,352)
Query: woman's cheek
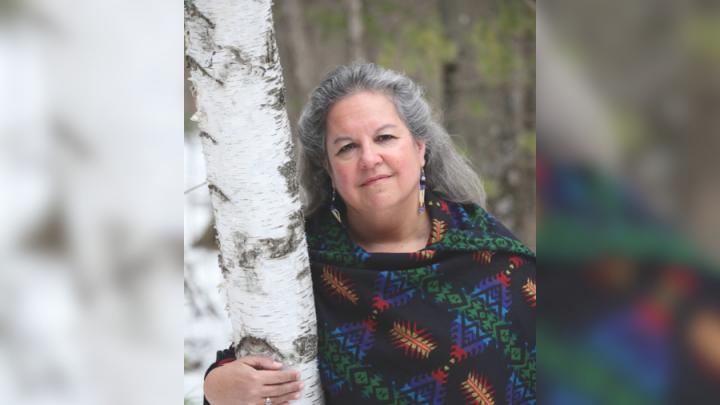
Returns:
(344,172)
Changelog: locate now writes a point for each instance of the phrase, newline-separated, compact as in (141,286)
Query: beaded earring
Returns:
(421,205)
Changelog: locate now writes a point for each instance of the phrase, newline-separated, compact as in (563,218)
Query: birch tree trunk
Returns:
(237,79)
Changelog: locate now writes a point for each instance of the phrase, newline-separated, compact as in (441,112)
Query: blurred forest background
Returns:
(476,61)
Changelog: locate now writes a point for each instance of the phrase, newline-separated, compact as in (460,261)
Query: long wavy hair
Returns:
(448,173)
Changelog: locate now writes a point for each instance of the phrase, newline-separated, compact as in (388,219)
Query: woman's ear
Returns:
(421,150)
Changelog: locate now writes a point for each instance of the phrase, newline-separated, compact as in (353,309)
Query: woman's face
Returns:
(374,161)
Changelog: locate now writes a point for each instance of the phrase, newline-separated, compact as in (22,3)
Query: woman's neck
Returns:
(390,231)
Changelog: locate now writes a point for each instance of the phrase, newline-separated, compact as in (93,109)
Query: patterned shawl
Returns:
(452,323)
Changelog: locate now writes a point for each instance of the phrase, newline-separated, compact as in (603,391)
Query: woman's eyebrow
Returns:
(342,138)
(384,127)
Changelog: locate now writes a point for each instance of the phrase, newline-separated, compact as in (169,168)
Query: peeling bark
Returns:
(306,346)
(207,136)
(216,191)
(289,172)
(253,346)
(193,64)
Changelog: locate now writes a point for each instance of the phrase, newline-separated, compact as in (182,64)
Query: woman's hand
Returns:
(249,380)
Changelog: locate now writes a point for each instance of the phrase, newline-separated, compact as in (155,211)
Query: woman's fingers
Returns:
(285,398)
(278,377)
(260,362)
(280,390)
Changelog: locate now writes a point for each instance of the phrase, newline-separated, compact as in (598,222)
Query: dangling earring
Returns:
(333,209)
(421,206)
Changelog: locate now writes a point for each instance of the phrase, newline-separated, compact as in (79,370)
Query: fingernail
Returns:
(277,364)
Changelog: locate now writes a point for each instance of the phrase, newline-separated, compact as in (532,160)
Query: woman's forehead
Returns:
(362,111)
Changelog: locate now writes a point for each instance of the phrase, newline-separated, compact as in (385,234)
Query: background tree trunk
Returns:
(302,53)
(355,29)
(240,97)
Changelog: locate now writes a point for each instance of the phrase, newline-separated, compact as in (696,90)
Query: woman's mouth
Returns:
(374,179)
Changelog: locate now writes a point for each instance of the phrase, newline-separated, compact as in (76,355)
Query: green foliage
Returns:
(632,133)
(330,21)
(478,108)
(429,42)
(701,35)
(492,188)
(422,45)
(376,17)
(415,46)
(496,40)
(461,147)
(526,142)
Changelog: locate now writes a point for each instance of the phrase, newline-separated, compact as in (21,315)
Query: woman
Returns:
(421,295)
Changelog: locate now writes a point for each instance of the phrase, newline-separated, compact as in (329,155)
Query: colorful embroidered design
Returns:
(518,393)
(484,312)
(424,389)
(422,255)
(338,285)
(393,289)
(339,371)
(484,256)
(529,290)
(416,342)
(438,229)
(477,390)
(354,339)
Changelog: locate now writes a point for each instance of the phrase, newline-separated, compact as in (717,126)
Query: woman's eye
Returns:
(383,138)
(346,148)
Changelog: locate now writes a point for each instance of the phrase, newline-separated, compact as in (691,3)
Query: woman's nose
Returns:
(370,157)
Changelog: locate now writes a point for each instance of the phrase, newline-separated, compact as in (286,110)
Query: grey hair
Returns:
(448,173)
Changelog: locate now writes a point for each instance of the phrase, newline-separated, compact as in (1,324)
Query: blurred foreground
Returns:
(90,205)
(628,195)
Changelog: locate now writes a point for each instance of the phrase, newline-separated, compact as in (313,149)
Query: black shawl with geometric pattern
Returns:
(453,323)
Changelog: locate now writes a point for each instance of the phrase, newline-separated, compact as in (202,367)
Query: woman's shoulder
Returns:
(479,228)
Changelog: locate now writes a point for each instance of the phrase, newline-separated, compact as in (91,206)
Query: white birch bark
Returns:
(237,78)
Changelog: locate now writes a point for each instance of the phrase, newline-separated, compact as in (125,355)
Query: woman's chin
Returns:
(380,202)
